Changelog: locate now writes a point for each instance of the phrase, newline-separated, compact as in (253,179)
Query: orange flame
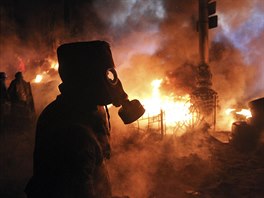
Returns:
(54,65)
(44,76)
(176,108)
(244,112)
(38,78)
(180,114)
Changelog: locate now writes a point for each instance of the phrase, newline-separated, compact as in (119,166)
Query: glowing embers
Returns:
(169,113)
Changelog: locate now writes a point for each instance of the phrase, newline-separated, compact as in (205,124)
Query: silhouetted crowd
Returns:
(16,102)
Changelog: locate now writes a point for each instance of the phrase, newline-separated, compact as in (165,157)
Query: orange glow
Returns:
(245,112)
(54,65)
(44,76)
(229,110)
(179,114)
(176,108)
(38,78)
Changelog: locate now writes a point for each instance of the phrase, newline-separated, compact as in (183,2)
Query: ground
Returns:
(144,165)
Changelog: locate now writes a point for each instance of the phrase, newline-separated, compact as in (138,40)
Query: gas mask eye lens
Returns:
(111,76)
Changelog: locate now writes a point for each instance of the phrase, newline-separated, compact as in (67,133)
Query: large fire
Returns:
(176,113)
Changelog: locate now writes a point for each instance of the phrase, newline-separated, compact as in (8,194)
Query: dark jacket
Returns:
(21,97)
(3,92)
(68,155)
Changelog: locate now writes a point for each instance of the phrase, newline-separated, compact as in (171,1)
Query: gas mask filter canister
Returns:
(131,111)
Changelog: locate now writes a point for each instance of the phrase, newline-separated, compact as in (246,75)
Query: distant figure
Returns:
(4,100)
(22,103)
(3,90)
(72,134)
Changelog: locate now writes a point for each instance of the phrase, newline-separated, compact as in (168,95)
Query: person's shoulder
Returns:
(48,111)
(13,82)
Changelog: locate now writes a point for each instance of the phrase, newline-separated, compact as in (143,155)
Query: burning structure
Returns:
(204,96)
(155,43)
(246,135)
(200,106)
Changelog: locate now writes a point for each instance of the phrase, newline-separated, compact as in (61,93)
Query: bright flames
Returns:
(38,78)
(54,65)
(179,114)
(176,109)
(243,112)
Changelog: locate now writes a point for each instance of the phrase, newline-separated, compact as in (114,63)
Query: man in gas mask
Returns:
(72,135)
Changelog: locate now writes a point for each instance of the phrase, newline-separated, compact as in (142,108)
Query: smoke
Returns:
(157,36)
(243,32)
(149,40)
(172,51)
(144,165)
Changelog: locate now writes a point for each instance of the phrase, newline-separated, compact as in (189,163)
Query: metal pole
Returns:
(161,123)
(203,31)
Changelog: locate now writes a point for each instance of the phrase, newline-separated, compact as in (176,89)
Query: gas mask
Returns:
(89,68)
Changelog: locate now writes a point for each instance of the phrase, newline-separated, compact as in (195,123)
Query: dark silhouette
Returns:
(3,90)
(4,101)
(72,135)
(22,103)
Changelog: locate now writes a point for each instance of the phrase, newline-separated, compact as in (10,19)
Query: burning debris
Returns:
(156,56)
(247,135)
(172,114)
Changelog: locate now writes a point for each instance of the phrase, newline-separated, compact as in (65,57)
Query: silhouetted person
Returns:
(22,103)
(3,90)
(72,134)
(4,100)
